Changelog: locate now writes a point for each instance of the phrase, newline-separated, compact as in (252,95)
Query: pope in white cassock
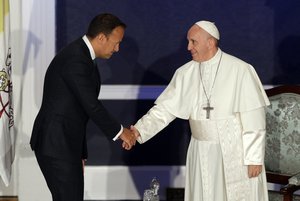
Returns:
(224,101)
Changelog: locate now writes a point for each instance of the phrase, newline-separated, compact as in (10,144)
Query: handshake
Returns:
(129,137)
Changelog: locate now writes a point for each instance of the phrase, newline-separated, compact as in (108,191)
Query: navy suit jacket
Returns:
(70,97)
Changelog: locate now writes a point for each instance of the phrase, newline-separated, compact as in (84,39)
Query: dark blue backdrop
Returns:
(265,33)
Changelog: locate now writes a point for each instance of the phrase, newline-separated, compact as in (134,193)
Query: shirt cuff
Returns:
(118,135)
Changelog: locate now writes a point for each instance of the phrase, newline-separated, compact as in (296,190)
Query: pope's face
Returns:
(111,43)
(198,43)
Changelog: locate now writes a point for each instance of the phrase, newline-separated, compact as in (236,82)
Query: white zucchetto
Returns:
(210,28)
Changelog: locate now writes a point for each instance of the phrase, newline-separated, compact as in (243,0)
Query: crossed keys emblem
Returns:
(3,89)
(6,90)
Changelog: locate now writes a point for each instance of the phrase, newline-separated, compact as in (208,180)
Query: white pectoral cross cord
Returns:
(208,108)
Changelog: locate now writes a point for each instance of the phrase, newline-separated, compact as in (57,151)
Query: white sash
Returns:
(204,130)
(228,133)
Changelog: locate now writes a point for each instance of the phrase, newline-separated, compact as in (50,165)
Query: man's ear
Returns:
(101,37)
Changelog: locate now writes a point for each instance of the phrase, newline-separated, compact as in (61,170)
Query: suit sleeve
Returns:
(84,150)
(79,77)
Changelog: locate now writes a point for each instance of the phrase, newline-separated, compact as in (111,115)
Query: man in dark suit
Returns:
(71,88)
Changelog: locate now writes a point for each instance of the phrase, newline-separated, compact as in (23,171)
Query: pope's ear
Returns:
(212,42)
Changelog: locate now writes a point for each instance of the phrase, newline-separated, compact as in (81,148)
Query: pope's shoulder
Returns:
(189,66)
(231,61)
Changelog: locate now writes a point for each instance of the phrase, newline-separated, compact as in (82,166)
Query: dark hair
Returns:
(104,23)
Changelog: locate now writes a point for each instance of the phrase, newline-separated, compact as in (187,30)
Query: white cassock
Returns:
(233,137)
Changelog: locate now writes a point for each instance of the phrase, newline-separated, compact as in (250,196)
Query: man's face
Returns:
(111,43)
(198,43)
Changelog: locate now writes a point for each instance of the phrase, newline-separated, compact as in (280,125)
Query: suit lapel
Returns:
(96,75)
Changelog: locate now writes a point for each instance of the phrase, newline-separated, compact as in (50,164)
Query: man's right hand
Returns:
(128,138)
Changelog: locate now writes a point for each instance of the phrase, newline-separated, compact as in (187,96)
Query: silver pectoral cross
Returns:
(208,109)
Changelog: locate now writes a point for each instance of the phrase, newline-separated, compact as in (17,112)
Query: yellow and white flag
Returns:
(7,139)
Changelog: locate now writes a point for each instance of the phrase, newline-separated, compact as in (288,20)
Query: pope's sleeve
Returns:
(174,102)
(254,132)
(152,122)
(177,98)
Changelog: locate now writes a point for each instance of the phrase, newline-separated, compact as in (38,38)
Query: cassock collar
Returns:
(215,59)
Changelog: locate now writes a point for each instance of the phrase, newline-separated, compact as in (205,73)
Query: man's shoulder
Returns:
(76,50)
(72,46)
